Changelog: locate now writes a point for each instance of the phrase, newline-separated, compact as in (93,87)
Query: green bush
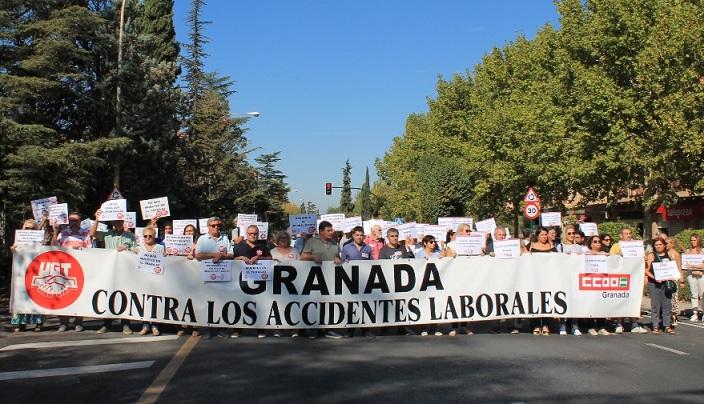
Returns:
(683,236)
(614,228)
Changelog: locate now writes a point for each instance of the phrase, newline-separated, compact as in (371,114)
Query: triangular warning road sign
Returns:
(531,196)
(115,194)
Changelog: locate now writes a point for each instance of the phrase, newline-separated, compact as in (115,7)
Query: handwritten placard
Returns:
(336,219)
(181,224)
(589,229)
(130,220)
(437,231)
(469,244)
(632,248)
(115,209)
(666,270)
(407,230)
(58,214)
(150,262)
(549,219)
(451,223)
(368,224)
(155,208)
(506,249)
(40,207)
(29,237)
(220,271)
(259,271)
(350,223)
(178,244)
(303,223)
(595,264)
(486,226)
(692,259)
(203,225)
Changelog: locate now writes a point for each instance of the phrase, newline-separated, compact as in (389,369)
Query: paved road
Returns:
(483,367)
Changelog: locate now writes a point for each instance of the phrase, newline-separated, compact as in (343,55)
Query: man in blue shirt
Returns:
(357,249)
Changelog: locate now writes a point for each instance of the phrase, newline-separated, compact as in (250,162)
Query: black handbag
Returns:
(670,288)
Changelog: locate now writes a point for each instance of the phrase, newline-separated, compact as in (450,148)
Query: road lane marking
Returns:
(79,370)
(88,342)
(689,324)
(151,394)
(664,348)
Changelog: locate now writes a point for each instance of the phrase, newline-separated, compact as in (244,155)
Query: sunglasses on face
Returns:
(431,242)
(252,234)
(596,242)
(148,236)
(219,226)
(570,233)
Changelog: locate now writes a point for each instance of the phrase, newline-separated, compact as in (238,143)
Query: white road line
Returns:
(34,374)
(682,323)
(664,348)
(88,342)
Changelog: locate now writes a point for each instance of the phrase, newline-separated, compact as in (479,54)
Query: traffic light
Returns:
(328,188)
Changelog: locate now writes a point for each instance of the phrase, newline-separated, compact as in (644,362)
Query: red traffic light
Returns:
(328,188)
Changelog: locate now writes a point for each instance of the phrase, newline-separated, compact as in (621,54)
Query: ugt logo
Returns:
(54,280)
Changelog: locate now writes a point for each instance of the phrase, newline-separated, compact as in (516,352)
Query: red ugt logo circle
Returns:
(54,280)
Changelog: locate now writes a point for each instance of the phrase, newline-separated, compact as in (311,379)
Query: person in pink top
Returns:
(375,241)
(72,237)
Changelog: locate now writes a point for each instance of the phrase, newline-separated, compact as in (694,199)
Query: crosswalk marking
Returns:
(38,373)
(88,342)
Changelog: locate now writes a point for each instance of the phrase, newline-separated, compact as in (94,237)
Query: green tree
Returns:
(364,205)
(346,194)
(273,191)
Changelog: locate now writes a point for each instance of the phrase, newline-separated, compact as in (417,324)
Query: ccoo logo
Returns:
(54,280)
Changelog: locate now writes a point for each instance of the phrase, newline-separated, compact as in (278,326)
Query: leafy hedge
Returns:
(614,228)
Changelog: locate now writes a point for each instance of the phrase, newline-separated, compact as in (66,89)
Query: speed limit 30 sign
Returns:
(531,211)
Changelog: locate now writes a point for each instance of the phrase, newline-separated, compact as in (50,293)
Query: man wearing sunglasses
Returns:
(214,245)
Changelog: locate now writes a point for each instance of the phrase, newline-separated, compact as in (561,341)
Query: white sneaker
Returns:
(438,334)
(576,332)
(695,317)
(424,334)
(563,329)
(604,332)
(452,333)
(593,332)
(619,329)
(261,335)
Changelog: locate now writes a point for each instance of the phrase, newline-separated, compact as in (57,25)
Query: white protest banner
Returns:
(58,214)
(130,220)
(245,219)
(506,249)
(29,237)
(115,209)
(203,225)
(220,271)
(139,238)
(336,219)
(692,259)
(259,271)
(589,229)
(100,283)
(180,224)
(666,270)
(595,264)
(549,219)
(40,207)
(469,244)
(407,230)
(304,223)
(632,249)
(150,262)
(437,231)
(451,223)
(350,223)
(486,226)
(178,244)
(155,208)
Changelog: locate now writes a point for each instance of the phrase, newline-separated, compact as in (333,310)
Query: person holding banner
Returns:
(594,243)
(694,277)
(190,230)
(569,244)
(463,229)
(554,238)
(120,239)
(76,238)
(250,250)
(430,250)
(20,320)
(541,243)
(357,249)
(660,303)
(626,234)
(393,248)
(606,242)
(151,246)
(283,252)
(375,241)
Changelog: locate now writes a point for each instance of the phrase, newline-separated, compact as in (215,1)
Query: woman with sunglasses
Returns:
(430,251)
(606,242)
(660,304)
(21,320)
(151,246)
(594,248)
(695,276)
(569,244)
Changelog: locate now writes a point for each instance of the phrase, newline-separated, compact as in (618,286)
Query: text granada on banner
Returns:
(104,284)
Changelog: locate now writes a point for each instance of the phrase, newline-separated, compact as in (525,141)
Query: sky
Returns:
(336,79)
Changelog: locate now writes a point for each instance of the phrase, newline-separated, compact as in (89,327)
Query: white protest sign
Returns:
(469,244)
(155,208)
(632,249)
(549,219)
(178,244)
(451,223)
(666,270)
(29,237)
(486,226)
(407,230)
(589,229)
(263,230)
(180,224)
(305,223)
(40,207)
(58,214)
(150,262)
(139,237)
(130,220)
(595,264)
(368,224)
(220,271)
(507,248)
(203,226)
(690,259)
(259,271)
(88,223)
(245,219)
(115,209)
(437,231)
(336,219)
(350,223)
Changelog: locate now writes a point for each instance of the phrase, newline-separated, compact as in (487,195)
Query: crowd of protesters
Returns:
(339,247)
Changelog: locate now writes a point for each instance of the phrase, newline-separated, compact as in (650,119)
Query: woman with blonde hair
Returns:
(695,276)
